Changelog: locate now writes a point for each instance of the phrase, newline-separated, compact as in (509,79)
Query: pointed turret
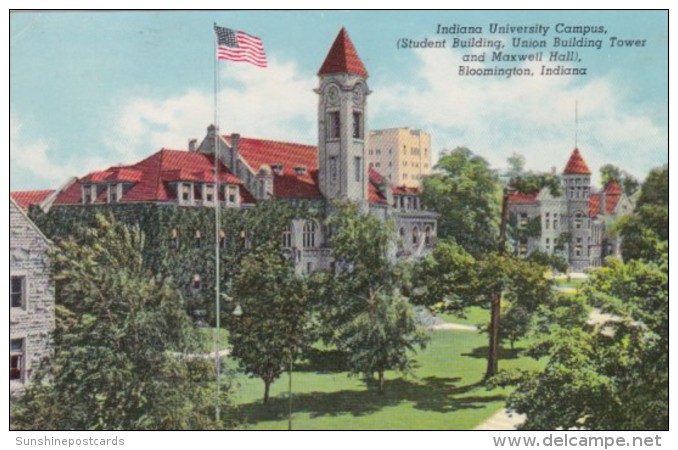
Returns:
(576,165)
(343,58)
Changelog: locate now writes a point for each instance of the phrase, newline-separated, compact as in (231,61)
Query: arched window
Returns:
(222,239)
(309,238)
(287,238)
(428,235)
(415,235)
(197,240)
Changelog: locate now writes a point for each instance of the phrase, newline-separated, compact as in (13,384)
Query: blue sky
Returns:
(93,89)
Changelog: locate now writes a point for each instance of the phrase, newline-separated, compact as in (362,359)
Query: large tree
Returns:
(273,329)
(465,192)
(628,182)
(361,305)
(121,340)
(645,233)
(612,376)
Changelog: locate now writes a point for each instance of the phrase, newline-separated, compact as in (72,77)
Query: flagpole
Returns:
(217,359)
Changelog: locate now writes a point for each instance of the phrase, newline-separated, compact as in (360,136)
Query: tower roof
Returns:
(576,165)
(613,188)
(343,58)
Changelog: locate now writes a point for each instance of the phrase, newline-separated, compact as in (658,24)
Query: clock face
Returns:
(358,95)
(333,94)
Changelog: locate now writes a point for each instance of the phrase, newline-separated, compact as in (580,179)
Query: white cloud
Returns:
(533,116)
(36,164)
(272,103)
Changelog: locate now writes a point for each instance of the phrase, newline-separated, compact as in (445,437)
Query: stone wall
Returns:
(34,320)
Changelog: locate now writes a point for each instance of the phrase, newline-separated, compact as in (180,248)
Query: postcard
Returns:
(339,220)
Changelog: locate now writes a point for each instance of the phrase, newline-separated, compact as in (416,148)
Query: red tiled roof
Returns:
(373,193)
(259,152)
(594,205)
(613,193)
(28,198)
(343,58)
(523,198)
(576,165)
(151,175)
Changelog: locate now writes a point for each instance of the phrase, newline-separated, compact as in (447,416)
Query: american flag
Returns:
(238,46)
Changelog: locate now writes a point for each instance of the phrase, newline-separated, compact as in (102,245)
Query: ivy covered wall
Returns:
(180,240)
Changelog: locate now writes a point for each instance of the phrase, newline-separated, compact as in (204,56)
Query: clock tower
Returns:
(342,111)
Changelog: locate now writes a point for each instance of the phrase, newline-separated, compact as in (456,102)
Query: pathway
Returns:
(453,326)
(502,420)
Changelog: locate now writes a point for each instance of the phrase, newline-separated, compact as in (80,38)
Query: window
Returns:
(113,193)
(232,194)
(197,240)
(287,238)
(16,359)
(415,235)
(523,220)
(196,283)
(358,167)
(17,292)
(578,220)
(358,126)
(222,239)
(378,152)
(377,164)
(522,247)
(309,234)
(333,125)
(428,235)
(209,193)
(402,232)
(309,267)
(174,240)
(185,192)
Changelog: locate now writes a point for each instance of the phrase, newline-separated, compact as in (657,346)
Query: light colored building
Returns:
(401,154)
(575,224)
(31,298)
(254,170)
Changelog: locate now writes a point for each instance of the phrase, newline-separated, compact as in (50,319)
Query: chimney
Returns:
(235,154)
(277,168)
(191,144)
(300,170)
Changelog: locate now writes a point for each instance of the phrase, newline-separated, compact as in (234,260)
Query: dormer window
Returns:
(112,193)
(89,193)
(300,171)
(185,192)
(209,193)
(232,194)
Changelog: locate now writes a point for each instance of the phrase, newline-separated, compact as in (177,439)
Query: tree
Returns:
(645,233)
(382,335)
(274,328)
(361,306)
(516,164)
(612,376)
(121,337)
(610,172)
(465,194)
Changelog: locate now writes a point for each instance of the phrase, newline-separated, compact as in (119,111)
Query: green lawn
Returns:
(473,316)
(207,336)
(445,391)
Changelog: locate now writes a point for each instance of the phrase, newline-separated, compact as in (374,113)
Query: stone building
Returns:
(255,170)
(402,154)
(574,225)
(31,298)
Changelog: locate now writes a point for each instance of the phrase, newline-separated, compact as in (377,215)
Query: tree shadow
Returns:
(322,361)
(431,394)
(504,353)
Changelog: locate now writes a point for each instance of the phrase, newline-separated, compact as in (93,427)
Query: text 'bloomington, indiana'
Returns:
(559,54)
